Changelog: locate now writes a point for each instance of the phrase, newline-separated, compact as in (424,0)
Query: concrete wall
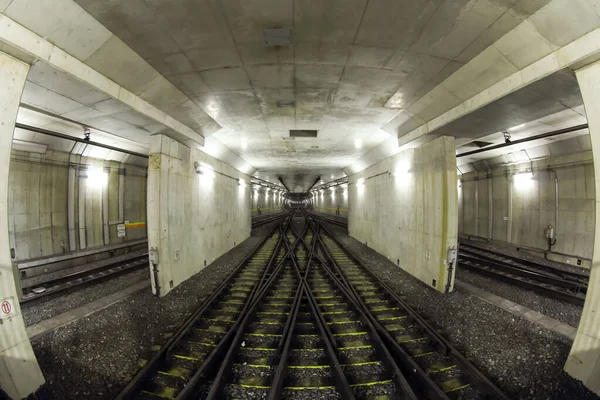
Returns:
(192,218)
(328,201)
(520,211)
(268,201)
(410,213)
(20,374)
(39,196)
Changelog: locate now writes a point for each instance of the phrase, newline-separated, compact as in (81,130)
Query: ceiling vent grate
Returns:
(303,133)
(286,103)
(278,36)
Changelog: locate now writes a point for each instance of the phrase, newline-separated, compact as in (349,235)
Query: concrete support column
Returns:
(105,231)
(81,208)
(71,208)
(477,205)
(20,374)
(490,205)
(584,360)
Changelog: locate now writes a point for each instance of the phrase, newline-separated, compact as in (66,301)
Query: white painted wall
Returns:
(533,204)
(38,197)
(192,219)
(328,201)
(411,214)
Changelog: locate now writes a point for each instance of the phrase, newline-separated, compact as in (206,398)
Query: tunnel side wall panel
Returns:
(38,198)
(406,208)
(534,205)
(328,201)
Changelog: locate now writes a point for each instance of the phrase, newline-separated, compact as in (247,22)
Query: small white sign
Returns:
(121,230)
(7,308)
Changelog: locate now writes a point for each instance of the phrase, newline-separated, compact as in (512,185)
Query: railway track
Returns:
(433,366)
(179,365)
(326,349)
(553,282)
(316,324)
(35,289)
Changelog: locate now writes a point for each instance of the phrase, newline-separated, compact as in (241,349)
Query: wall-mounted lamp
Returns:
(360,182)
(96,177)
(241,182)
(198,168)
(523,179)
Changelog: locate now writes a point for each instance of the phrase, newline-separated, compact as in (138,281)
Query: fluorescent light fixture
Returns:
(204,170)
(96,177)
(402,169)
(523,179)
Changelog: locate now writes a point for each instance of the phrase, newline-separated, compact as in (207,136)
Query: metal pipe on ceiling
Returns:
(76,139)
(529,139)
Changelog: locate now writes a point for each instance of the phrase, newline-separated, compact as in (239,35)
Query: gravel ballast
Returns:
(561,310)
(44,309)
(522,358)
(95,357)
(522,254)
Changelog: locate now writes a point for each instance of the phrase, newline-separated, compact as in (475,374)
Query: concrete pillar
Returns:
(20,374)
(195,213)
(583,362)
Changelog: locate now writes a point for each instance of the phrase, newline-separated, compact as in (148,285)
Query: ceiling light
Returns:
(523,180)
(358,143)
(96,177)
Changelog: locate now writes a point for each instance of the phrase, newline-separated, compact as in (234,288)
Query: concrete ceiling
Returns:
(548,105)
(352,64)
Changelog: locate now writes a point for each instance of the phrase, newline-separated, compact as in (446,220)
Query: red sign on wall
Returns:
(7,308)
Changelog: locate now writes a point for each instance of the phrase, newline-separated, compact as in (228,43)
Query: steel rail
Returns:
(481,381)
(135,386)
(365,313)
(570,275)
(521,281)
(524,272)
(191,389)
(342,384)
(240,329)
(78,279)
(416,375)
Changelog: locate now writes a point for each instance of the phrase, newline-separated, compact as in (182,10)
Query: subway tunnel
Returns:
(269,199)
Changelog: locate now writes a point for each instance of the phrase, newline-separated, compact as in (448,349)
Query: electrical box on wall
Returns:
(549,232)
